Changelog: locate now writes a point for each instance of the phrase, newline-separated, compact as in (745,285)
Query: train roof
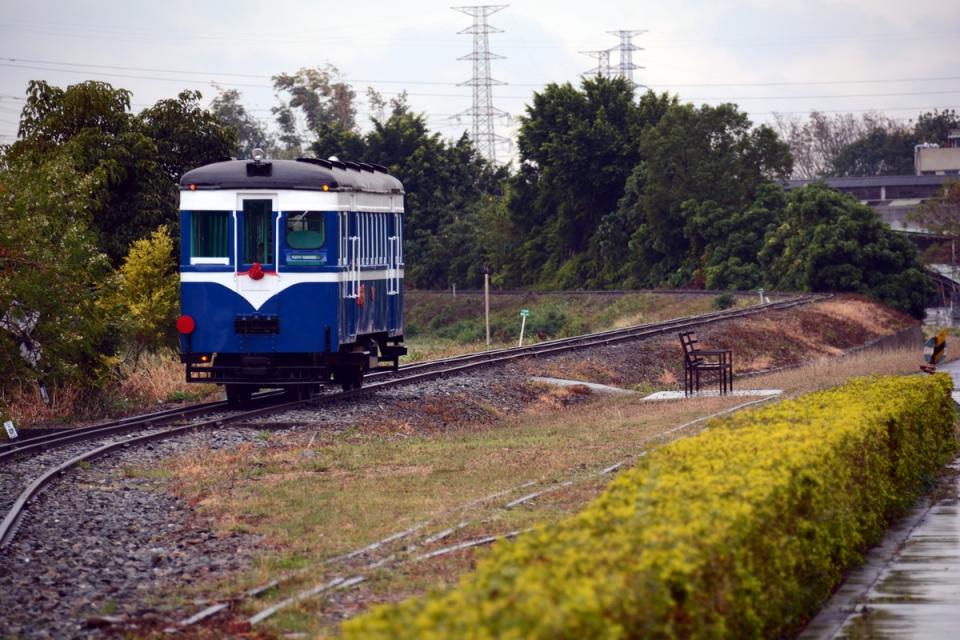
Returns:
(310,174)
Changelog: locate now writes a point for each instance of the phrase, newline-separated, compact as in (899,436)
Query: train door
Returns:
(394,264)
(257,249)
(350,261)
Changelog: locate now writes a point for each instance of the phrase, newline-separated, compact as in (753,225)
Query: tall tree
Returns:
(311,99)
(186,135)
(135,158)
(251,133)
(444,182)
(700,154)
(51,273)
(577,148)
(91,124)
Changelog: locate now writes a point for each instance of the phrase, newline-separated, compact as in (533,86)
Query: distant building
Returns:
(893,197)
(933,160)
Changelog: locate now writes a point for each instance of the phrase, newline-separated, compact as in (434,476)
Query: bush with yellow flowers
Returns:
(741,531)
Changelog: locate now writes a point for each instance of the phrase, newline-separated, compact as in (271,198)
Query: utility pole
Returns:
(486,300)
(603,62)
(626,48)
(483,112)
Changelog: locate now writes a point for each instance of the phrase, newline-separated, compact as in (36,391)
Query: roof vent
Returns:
(259,169)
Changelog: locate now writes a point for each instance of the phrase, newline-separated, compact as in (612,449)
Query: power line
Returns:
(773,83)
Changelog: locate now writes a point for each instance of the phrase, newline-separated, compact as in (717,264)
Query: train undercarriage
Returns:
(242,374)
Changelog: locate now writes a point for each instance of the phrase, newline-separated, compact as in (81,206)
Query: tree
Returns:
(881,152)
(577,148)
(90,123)
(729,239)
(146,293)
(251,133)
(941,215)
(816,142)
(701,154)
(186,135)
(444,183)
(828,241)
(934,126)
(136,159)
(51,274)
(317,97)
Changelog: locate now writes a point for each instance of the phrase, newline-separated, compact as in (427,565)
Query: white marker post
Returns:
(11,430)
(523,323)
(486,301)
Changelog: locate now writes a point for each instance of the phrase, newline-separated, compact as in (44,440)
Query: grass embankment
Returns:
(740,531)
(438,324)
(316,499)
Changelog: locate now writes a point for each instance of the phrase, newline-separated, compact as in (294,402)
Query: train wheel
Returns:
(238,395)
(349,379)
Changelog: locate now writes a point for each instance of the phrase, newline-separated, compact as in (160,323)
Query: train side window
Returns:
(258,241)
(209,237)
(305,230)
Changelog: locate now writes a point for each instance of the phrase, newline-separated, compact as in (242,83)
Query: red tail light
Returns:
(186,325)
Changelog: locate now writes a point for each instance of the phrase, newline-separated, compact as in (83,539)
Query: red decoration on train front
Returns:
(256,271)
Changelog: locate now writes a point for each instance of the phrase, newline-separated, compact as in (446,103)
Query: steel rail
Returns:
(10,524)
(611,336)
(63,437)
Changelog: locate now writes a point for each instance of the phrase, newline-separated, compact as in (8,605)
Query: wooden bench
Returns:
(697,360)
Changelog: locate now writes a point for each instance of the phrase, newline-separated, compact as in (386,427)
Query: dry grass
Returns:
(155,379)
(830,372)
(158,378)
(26,407)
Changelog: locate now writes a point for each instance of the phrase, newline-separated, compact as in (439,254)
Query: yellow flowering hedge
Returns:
(741,531)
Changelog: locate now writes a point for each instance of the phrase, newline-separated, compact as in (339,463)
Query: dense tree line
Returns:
(610,189)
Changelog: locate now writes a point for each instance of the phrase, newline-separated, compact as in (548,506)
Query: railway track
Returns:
(159,427)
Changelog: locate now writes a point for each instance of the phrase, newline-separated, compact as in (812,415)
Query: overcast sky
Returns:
(767,56)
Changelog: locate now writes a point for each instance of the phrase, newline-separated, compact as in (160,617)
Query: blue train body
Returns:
(291,273)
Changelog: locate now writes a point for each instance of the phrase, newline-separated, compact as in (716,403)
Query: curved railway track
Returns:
(160,428)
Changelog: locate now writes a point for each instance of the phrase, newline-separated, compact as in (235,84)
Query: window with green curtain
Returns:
(210,234)
(258,240)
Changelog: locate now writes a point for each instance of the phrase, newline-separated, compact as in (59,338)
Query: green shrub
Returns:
(741,531)
(723,301)
(146,292)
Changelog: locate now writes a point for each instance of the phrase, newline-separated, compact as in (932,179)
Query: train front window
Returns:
(210,234)
(258,228)
(305,230)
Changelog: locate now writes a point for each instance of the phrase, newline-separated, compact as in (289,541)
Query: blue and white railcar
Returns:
(291,273)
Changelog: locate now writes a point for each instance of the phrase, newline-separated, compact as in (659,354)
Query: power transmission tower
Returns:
(483,112)
(626,48)
(603,62)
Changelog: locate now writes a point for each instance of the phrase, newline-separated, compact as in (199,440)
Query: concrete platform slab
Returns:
(593,386)
(745,393)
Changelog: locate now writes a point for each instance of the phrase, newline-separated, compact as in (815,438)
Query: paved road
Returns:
(909,586)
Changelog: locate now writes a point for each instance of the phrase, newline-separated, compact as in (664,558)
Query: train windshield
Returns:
(258,240)
(305,230)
